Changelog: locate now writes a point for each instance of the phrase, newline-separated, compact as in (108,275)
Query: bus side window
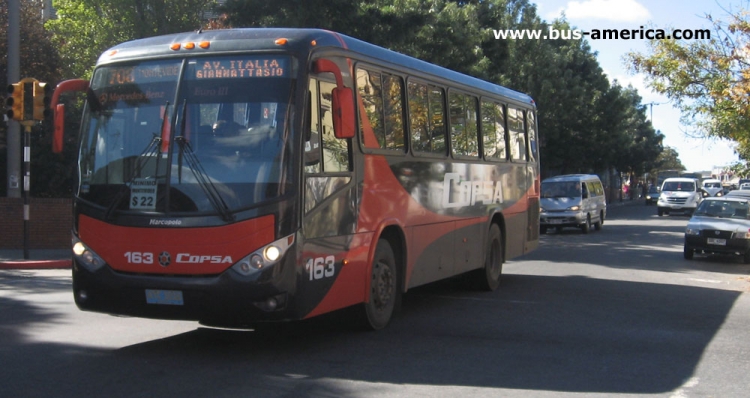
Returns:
(517,135)
(426,117)
(464,126)
(336,152)
(531,123)
(493,131)
(382,122)
(312,142)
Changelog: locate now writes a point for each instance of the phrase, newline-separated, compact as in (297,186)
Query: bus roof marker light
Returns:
(281,41)
(189,45)
(175,46)
(112,53)
(314,43)
(204,44)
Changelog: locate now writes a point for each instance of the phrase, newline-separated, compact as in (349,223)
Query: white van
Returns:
(679,195)
(713,187)
(573,200)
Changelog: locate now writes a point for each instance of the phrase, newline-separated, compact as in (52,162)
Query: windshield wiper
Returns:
(151,149)
(204,181)
(154,147)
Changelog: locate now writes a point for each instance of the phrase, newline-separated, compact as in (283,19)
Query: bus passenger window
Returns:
(464,139)
(517,135)
(437,119)
(493,131)
(382,122)
(533,149)
(426,117)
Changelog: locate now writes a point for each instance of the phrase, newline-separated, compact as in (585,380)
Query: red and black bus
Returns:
(242,176)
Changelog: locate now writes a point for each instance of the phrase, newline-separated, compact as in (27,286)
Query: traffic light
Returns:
(42,99)
(15,101)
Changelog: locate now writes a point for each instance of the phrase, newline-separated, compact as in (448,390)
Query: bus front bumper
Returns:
(224,299)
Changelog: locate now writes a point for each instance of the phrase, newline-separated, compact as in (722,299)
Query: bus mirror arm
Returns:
(59,109)
(342,100)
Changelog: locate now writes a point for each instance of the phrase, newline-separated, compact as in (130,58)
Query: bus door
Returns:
(330,216)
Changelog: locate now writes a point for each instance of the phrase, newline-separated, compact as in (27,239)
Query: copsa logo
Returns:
(165,259)
(187,258)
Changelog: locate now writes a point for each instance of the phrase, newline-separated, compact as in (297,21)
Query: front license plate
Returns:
(164,297)
(553,221)
(718,242)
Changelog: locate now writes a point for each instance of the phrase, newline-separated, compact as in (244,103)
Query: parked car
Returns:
(719,226)
(573,200)
(679,195)
(739,194)
(652,195)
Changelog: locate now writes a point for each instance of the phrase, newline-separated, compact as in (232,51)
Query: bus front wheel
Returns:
(384,288)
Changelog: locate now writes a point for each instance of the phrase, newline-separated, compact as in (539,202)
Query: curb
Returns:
(36,264)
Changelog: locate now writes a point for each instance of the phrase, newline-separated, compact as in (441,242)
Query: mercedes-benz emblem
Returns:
(164,259)
(717,232)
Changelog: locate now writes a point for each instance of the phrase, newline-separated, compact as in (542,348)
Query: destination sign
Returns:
(241,67)
(145,73)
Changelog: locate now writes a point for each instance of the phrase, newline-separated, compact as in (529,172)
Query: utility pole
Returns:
(14,74)
(651,106)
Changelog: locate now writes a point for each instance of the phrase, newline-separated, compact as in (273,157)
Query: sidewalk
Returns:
(38,259)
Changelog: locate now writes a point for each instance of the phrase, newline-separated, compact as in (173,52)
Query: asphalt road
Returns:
(614,312)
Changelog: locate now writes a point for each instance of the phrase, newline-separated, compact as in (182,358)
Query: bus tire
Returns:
(488,277)
(384,288)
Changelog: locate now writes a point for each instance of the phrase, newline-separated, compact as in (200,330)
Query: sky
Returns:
(696,154)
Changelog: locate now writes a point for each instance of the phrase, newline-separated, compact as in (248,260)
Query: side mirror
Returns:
(59,131)
(74,85)
(342,101)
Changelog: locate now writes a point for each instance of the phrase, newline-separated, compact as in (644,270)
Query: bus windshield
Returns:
(202,135)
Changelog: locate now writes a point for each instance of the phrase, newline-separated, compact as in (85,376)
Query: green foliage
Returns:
(708,79)
(85,28)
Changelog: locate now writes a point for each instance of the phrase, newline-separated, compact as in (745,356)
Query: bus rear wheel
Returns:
(488,278)
(384,288)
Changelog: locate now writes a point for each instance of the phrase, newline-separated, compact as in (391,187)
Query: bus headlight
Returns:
(742,235)
(85,256)
(692,231)
(264,257)
(574,208)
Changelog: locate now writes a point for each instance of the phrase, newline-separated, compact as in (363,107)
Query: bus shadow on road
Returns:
(569,334)
(537,333)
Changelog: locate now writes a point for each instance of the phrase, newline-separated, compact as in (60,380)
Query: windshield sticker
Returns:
(143,194)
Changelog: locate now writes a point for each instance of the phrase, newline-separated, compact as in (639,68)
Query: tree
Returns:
(85,28)
(708,79)
(668,159)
